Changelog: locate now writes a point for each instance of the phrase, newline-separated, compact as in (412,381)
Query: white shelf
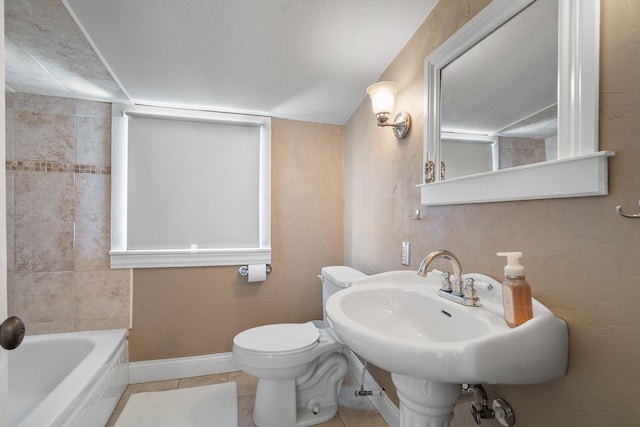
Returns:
(572,177)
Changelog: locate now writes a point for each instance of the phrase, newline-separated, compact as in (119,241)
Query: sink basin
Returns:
(397,321)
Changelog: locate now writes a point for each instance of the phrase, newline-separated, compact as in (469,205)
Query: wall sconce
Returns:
(382,97)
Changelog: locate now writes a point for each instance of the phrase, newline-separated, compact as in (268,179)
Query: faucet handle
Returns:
(470,289)
(446,282)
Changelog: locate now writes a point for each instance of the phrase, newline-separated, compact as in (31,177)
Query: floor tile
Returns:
(335,422)
(246,384)
(363,419)
(245,410)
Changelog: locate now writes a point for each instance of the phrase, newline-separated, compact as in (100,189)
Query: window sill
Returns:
(189,258)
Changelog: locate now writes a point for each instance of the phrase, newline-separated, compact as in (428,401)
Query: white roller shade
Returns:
(192,184)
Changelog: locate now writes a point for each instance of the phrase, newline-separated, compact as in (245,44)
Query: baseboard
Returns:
(382,403)
(183,367)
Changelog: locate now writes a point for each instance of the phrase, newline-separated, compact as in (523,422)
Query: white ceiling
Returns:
(305,60)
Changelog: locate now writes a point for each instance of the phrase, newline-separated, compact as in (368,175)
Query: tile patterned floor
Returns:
(352,411)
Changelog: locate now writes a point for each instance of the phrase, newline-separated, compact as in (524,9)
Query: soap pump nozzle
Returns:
(513,267)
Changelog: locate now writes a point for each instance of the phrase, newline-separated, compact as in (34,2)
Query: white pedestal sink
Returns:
(397,321)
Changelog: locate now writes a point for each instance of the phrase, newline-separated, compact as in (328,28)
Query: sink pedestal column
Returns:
(425,403)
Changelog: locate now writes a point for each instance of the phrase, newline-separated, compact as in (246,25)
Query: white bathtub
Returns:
(69,379)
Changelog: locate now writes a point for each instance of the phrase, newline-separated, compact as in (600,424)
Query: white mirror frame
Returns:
(581,170)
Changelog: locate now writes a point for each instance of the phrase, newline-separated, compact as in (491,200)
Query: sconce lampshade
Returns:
(382,97)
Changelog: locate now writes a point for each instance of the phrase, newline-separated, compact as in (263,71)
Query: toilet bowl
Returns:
(299,366)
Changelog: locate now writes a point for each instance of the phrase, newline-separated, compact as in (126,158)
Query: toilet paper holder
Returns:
(244,269)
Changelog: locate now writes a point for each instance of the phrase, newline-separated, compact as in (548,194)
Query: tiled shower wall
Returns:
(58,208)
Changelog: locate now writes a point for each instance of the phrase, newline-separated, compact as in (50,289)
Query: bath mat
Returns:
(208,406)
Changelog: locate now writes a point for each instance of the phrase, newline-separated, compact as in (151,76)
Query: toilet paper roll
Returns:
(257,273)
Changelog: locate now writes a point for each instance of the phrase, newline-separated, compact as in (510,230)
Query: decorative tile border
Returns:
(39,166)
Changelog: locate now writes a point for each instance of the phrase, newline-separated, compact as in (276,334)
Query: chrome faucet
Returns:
(447,285)
(452,288)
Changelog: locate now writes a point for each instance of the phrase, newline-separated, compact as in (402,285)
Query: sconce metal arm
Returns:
(400,125)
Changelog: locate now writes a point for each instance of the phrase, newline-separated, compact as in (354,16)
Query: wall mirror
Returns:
(511,103)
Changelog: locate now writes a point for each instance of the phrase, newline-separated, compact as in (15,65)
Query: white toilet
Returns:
(299,366)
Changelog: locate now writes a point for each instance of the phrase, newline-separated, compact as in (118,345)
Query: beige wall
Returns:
(58,190)
(192,311)
(582,259)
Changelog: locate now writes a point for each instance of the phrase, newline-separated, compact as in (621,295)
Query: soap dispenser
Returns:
(516,292)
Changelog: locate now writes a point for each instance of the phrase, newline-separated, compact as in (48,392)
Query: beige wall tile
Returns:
(92,246)
(100,324)
(9,131)
(93,109)
(93,197)
(44,104)
(44,247)
(44,197)
(9,195)
(44,136)
(63,216)
(44,297)
(35,328)
(11,247)
(102,294)
(93,146)
(11,294)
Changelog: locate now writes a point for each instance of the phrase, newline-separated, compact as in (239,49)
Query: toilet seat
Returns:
(282,338)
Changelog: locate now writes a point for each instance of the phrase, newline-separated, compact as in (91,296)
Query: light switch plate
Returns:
(406,251)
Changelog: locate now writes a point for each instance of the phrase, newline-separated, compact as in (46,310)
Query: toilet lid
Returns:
(278,338)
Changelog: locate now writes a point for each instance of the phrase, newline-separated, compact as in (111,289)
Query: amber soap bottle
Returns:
(516,292)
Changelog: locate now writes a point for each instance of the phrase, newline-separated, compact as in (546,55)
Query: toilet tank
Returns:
(334,279)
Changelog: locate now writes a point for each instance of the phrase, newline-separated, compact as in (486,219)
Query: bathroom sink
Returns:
(397,321)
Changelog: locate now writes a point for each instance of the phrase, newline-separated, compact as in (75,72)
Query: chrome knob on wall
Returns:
(12,333)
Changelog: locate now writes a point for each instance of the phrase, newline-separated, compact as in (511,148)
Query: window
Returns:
(189,188)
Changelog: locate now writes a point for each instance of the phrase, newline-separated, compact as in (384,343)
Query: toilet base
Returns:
(306,417)
(273,407)
(277,401)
